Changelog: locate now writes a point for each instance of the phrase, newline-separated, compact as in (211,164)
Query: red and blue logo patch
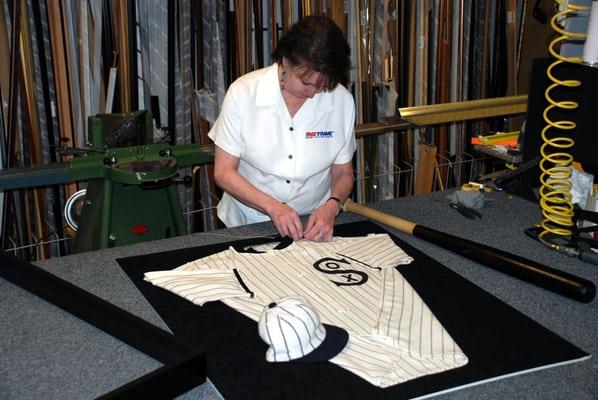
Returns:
(319,134)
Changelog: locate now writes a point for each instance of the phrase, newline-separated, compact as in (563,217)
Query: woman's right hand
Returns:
(286,220)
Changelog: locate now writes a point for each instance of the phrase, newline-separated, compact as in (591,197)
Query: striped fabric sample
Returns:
(352,283)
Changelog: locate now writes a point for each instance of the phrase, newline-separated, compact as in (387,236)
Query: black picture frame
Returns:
(499,340)
(184,364)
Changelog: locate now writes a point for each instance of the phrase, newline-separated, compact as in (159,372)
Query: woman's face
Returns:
(301,82)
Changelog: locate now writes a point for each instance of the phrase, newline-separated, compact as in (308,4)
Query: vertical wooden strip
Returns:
(97,84)
(121,26)
(359,103)
(498,82)
(54,195)
(233,53)
(241,33)
(84,61)
(4,66)
(454,84)
(249,56)
(443,89)
(464,70)
(273,25)
(371,5)
(61,77)
(12,218)
(243,10)
(197,81)
(288,17)
(28,86)
(425,168)
(425,46)
(360,66)
(34,148)
(258,33)
(485,50)
(410,145)
(197,50)
(511,33)
(306,7)
(374,156)
(73,66)
(132,53)
(520,31)
(244,36)
(412,40)
(171,60)
(336,12)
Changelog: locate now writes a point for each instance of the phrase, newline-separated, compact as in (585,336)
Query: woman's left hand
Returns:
(320,224)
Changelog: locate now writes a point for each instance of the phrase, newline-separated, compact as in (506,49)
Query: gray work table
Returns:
(47,353)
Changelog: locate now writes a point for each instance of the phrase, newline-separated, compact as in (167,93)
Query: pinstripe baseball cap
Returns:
(293,331)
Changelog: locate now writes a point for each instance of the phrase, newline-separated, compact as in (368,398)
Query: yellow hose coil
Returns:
(556,160)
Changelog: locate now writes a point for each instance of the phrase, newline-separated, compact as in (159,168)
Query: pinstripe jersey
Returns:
(351,282)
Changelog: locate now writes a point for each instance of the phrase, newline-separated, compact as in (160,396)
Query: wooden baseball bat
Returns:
(530,271)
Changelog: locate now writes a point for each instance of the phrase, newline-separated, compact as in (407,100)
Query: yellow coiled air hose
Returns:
(556,160)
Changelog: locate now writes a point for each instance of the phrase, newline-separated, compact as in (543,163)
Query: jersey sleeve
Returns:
(377,250)
(201,286)
(223,260)
(226,132)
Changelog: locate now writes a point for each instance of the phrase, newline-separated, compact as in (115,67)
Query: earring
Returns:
(282,76)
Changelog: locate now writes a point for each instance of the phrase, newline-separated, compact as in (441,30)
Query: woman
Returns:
(284,137)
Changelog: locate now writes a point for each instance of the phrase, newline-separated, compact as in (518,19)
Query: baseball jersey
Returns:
(289,158)
(351,282)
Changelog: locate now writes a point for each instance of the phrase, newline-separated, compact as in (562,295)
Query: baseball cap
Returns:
(293,331)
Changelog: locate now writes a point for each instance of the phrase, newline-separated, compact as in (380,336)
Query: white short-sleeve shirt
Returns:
(287,158)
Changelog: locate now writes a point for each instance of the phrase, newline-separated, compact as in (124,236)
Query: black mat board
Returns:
(498,339)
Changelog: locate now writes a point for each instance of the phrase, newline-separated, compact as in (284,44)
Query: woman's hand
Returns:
(286,220)
(320,224)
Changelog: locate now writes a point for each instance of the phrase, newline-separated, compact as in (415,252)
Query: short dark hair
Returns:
(317,43)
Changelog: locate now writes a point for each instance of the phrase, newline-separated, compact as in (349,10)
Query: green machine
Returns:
(131,193)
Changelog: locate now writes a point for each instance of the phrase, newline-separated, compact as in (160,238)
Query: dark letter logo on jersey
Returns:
(333,266)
